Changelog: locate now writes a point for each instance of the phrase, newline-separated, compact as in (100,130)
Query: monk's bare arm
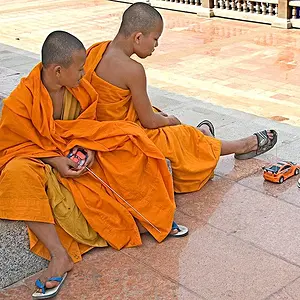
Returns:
(137,84)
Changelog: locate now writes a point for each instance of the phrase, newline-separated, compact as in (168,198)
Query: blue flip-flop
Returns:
(181,230)
(48,293)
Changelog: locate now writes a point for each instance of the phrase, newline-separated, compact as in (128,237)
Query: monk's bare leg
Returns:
(60,260)
(241,146)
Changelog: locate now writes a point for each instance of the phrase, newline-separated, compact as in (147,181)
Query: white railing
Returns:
(295,7)
(263,11)
(253,7)
(187,2)
(257,11)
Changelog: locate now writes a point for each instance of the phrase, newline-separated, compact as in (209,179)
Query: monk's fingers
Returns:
(75,149)
(72,164)
(72,173)
(90,162)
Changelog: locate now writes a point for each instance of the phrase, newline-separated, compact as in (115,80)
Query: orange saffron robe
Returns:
(193,155)
(125,159)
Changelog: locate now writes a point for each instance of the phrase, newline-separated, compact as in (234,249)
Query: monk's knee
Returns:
(21,165)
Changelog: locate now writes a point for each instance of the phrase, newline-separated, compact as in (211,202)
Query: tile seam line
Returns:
(282,288)
(165,276)
(256,246)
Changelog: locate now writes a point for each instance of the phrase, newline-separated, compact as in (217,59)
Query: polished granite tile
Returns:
(110,274)
(237,169)
(216,265)
(203,203)
(287,191)
(262,220)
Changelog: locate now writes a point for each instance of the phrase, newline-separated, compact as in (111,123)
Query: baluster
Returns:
(264,8)
(233,4)
(186,1)
(294,13)
(227,4)
(239,6)
(257,7)
(216,4)
(271,9)
(276,10)
(245,9)
(251,7)
(198,2)
(222,4)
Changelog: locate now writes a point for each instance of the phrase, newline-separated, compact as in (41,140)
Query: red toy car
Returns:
(79,157)
(281,171)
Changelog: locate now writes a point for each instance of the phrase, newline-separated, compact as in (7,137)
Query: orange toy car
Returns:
(281,171)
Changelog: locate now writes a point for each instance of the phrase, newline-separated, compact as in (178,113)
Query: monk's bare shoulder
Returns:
(135,72)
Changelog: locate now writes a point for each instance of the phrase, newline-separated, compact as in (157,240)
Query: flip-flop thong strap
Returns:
(175,226)
(40,285)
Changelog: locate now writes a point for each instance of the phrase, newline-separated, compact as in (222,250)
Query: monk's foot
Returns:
(205,130)
(251,143)
(60,263)
(174,231)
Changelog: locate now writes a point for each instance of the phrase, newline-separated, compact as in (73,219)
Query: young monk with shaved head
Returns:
(67,210)
(121,84)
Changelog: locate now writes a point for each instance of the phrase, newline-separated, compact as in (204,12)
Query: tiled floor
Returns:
(244,232)
(245,66)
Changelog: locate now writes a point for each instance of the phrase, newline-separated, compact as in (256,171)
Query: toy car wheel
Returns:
(281,179)
(296,172)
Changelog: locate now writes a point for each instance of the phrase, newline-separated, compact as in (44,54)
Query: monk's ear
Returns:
(57,71)
(138,37)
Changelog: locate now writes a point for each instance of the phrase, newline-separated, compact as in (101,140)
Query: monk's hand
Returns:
(65,166)
(91,158)
(173,120)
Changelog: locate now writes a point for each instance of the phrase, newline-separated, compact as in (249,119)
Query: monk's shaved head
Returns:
(139,17)
(59,47)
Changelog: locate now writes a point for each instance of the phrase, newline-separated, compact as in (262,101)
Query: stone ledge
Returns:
(16,260)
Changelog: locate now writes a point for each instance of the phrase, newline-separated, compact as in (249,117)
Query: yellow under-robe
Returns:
(125,158)
(193,155)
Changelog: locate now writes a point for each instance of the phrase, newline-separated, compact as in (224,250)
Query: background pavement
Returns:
(244,232)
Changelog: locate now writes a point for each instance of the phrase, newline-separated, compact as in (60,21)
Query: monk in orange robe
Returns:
(38,128)
(121,84)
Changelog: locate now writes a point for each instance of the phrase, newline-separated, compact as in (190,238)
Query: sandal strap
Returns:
(175,226)
(58,279)
(39,284)
(264,142)
(210,126)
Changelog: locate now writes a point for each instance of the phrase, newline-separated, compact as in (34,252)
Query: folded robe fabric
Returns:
(193,155)
(125,158)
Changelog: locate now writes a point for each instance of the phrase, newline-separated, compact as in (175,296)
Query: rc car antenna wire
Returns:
(106,185)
